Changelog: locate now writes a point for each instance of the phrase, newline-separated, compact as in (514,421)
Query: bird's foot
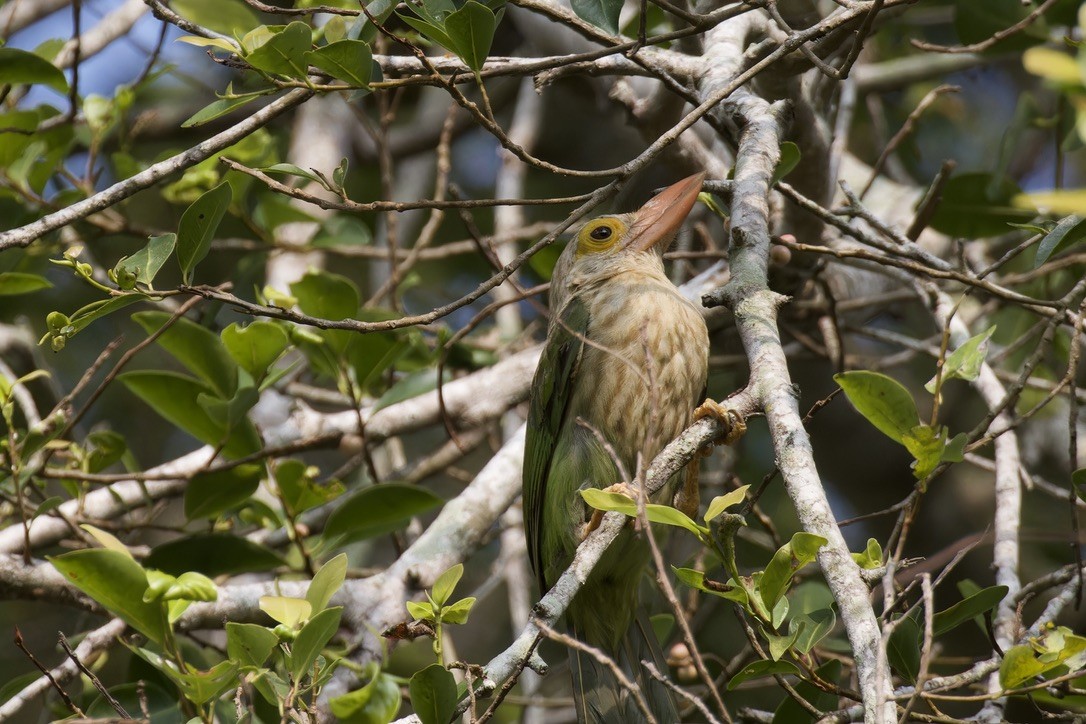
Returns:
(734,424)
(630,491)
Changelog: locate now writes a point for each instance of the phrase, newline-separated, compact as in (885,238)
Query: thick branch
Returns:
(755,308)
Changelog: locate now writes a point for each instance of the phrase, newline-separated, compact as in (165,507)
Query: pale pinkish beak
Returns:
(662,215)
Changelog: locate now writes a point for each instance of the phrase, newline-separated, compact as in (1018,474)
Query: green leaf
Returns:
(429,30)
(335,29)
(205,686)
(903,649)
(420,611)
(433,694)
(212,554)
(118,583)
(722,502)
(339,230)
(202,42)
(926,445)
(871,558)
(407,387)
(198,686)
(196,347)
(229,413)
(326,582)
(780,645)
(51,503)
(273,688)
(273,211)
(965,362)
(375,703)
(609,502)
(15,283)
(1059,646)
(104,447)
(228,17)
(198,225)
(290,612)
(371,356)
(446,584)
(106,540)
(376,510)
(790,157)
(219,108)
(191,586)
(94,311)
(1078,480)
(380,10)
(882,400)
(758,669)
(432,9)
(171,395)
(285,52)
(293,170)
(145,264)
(157,583)
(299,489)
(7,385)
(348,60)
(601,13)
(617,502)
(210,494)
(311,640)
(810,596)
(812,627)
(458,612)
(1070,230)
(972,606)
(786,562)
(976,205)
(249,644)
(18,67)
(673,516)
(1020,665)
(326,295)
(696,579)
(662,626)
(471,29)
(954,451)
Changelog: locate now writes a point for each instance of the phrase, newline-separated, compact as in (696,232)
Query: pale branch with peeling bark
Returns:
(755,308)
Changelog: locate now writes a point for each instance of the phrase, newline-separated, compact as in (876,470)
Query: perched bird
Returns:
(625,362)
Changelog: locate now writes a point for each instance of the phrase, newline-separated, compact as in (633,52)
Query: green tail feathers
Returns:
(597,693)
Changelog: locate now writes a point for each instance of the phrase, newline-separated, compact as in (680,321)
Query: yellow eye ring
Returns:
(599,235)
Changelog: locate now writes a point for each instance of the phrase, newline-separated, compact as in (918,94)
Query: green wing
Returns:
(552,390)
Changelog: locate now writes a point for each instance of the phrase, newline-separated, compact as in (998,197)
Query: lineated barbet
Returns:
(625,364)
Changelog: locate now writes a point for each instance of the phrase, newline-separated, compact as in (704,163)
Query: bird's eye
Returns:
(601,233)
(599,236)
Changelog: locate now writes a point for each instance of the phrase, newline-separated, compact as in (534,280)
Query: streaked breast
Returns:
(645,369)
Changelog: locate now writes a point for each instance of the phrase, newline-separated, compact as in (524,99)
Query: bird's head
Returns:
(609,245)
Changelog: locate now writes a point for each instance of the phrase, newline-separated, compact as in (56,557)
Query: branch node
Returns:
(537,664)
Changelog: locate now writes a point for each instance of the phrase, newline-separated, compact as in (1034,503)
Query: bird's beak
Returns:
(662,215)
